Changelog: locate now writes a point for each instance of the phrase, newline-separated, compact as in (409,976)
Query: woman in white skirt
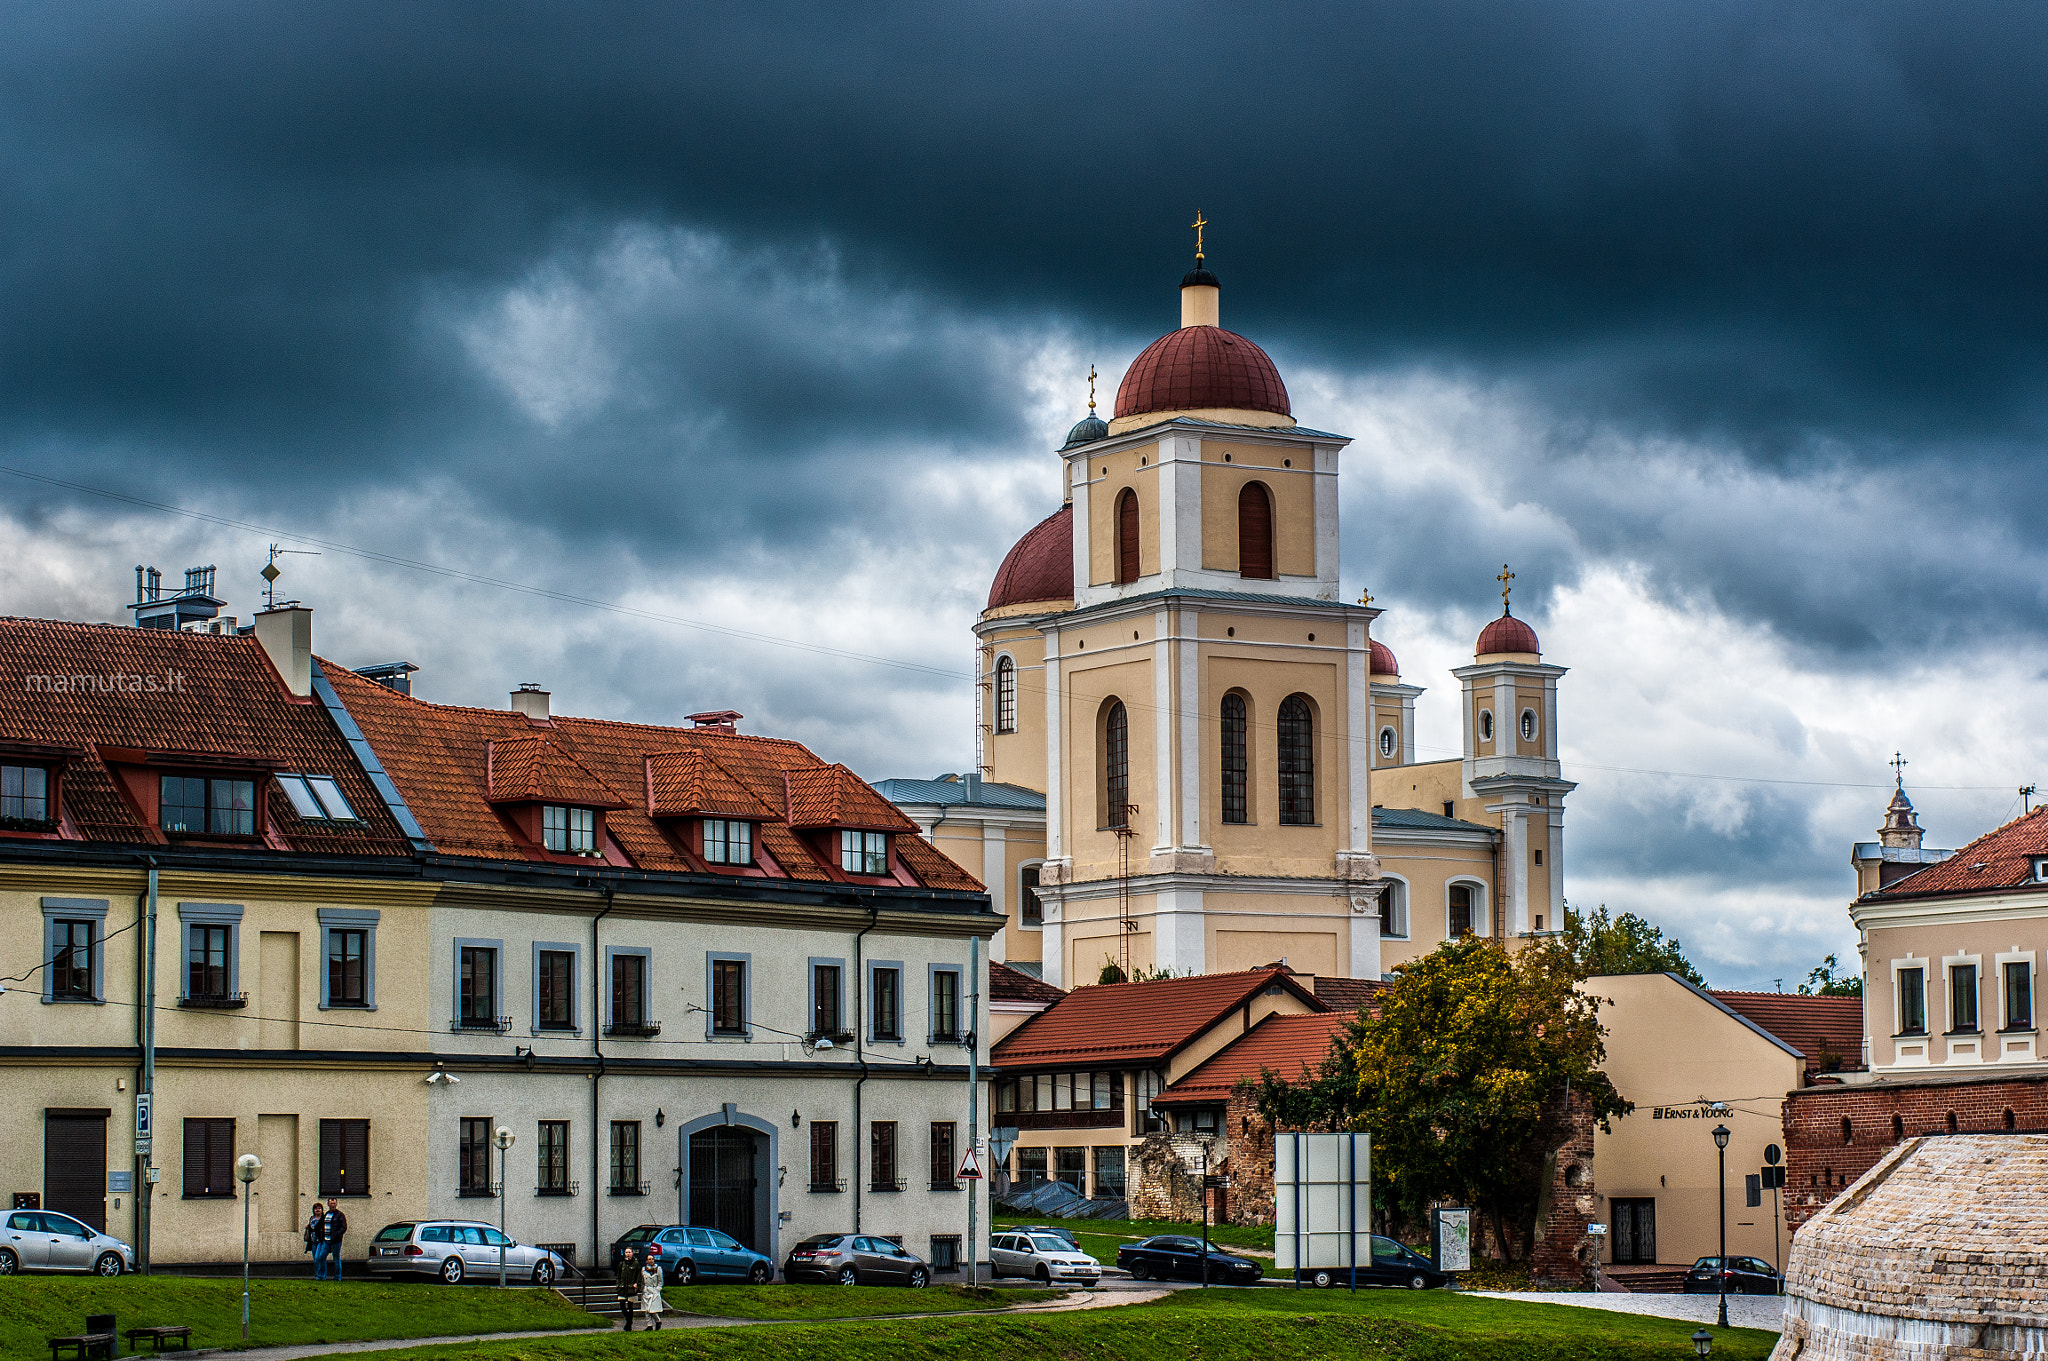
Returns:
(651,1281)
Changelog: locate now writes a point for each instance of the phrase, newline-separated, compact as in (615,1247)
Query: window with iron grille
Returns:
(572,831)
(552,1173)
(729,996)
(24,794)
(626,1156)
(192,803)
(344,1157)
(345,979)
(1116,764)
(727,842)
(556,988)
(943,1163)
(71,961)
(1297,762)
(209,1160)
(882,1156)
(864,852)
(1235,805)
(1109,1170)
(824,1155)
(945,1252)
(1006,695)
(473,1165)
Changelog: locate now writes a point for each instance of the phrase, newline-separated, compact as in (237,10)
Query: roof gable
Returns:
(535,770)
(1997,861)
(1137,1022)
(1284,1044)
(833,796)
(682,783)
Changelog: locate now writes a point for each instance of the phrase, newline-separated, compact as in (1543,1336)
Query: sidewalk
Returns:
(1744,1311)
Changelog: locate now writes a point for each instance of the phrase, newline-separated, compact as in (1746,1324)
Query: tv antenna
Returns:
(271,572)
(2026,799)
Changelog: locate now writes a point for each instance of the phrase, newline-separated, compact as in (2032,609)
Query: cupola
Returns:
(1201,370)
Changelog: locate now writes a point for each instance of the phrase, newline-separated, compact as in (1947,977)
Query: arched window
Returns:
(1394,910)
(1297,762)
(1006,695)
(1116,763)
(1234,804)
(1127,537)
(1460,923)
(1254,532)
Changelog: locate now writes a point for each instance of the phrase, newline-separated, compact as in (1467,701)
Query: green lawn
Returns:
(796,1302)
(36,1308)
(1259,1236)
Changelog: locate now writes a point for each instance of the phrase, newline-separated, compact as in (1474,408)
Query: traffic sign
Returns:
(970,1167)
(1772,1154)
(142,1100)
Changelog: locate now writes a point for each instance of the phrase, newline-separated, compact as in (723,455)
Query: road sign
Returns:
(1596,1229)
(142,1100)
(970,1166)
(1772,1154)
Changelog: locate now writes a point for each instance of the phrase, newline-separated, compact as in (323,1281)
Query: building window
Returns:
(1030,1168)
(888,1003)
(1006,695)
(1127,537)
(727,842)
(551,1174)
(1389,743)
(473,1158)
(193,804)
(572,831)
(825,1156)
(1394,911)
(629,992)
(1236,808)
(825,1019)
(1109,1171)
(316,798)
(2019,995)
(1071,1167)
(345,980)
(626,1158)
(1912,1002)
(477,988)
(945,1252)
(943,1165)
(1528,725)
(73,947)
(1148,1121)
(864,852)
(206,961)
(345,1157)
(1486,725)
(1962,987)
(1254,532)
(24,798)
(1297,762)
(882,1174)
(209,1160)
(1460,923)
(554,990)
(728,997)
(1116,764)
(945,1005)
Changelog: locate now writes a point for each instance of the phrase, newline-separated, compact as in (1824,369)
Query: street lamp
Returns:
(505,1138)
(1721,1156)
(248,1167)
(1702,1342)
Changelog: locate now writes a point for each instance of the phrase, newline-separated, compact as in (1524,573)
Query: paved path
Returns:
(1744,1311)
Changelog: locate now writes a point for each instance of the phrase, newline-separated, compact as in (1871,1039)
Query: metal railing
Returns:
(629,1189)
(561,1188)
(214,1001)
(480,1025)
(632,1030)
(836,1184)
(886,1184)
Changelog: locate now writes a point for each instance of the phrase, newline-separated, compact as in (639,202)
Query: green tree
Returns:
(1824,982)
(1626,944)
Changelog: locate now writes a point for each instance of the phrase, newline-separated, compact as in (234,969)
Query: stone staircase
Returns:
(1647,1280)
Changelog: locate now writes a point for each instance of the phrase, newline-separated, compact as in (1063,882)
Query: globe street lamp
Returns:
(505,1139)
(1702,1342)
(248,1167)
(1721,1156)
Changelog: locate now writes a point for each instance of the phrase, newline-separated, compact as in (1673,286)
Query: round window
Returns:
(1387,741)
(1528,725)
(1486,725)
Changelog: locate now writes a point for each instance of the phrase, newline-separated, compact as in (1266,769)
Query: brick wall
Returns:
(1168,1180)
(1820,1162)
(1564,1254)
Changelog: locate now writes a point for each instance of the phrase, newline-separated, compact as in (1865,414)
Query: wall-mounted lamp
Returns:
(795,1119)
(659,1118)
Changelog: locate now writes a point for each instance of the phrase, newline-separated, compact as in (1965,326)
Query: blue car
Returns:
(687,1253)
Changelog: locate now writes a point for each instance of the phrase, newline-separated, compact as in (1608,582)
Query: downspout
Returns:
(597,1074)
(860,1041)
(145,1043)
(1497,909)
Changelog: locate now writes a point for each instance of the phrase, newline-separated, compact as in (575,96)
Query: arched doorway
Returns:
(726,1165)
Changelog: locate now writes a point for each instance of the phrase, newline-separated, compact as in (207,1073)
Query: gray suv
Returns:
(43,1240)
(855,1259)
(454,1249)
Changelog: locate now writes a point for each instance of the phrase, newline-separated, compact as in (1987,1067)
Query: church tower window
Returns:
(1127,537)
(1389,742)
(1297,762)
(1006,695)
(1234,804)
(1116,763)
(1255,532)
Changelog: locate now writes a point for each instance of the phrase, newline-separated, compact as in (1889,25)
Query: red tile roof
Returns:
(1006,984)
(437,754)
(1200,368)
(1349,994)
(1135,1022)
(833,796)
(1808,1024)
(536,770)
(163,700)
(1287,1045)
(1994,862)
(1506,634)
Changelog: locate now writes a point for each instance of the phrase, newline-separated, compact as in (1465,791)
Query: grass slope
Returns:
(795,1302)
(1229,1235)
(36,1308)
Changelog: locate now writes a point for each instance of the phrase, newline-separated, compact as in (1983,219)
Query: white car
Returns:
(43,1240)
(1041,1256)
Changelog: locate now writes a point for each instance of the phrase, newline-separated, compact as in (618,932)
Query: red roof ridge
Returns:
(1117,1018)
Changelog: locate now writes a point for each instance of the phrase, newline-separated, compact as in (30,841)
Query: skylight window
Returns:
(317,798)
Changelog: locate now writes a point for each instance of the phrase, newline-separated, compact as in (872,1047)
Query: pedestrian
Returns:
(629,1286)
(315,1240)
(333,1227)
(650,1291)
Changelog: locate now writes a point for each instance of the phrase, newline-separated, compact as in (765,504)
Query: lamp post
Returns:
(505,1138)
(1721,1157)
(1702,1342)
(248,1167)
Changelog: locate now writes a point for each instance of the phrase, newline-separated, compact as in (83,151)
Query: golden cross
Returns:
(1365,597)
(1091,389)
(1504,578)
(1199,223)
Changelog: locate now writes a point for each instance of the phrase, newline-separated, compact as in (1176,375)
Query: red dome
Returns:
(1041,566)
(1507,634)
(1383,663)
(1201,367)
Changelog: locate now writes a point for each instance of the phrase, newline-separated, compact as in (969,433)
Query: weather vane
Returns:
(1898,763)
(1091,389)
(1199,223)
(1504,578)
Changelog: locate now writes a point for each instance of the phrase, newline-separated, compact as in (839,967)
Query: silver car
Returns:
(1043,1256)
(455,1249)
(43,1240)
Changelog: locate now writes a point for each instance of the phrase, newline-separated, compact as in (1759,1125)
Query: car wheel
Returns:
(760,1275)
(1418,1282)
(543,1273)
(1140,1272)
(684,1274)
(1322,1280)
(918,1278)
(109,1264)
(451,1271)
(1044,1276)
(8,1266)
(848,1276)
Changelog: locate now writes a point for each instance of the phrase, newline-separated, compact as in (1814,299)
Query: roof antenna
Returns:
(271,572)
(2026,799)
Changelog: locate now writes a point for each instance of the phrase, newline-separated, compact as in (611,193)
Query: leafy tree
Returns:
(1626,944)
(1112,972)
(1824,982)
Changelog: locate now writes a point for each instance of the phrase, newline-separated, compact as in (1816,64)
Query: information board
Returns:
(1322,1200)
(1451,1236)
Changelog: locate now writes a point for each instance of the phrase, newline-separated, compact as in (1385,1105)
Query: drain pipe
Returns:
(145,1044)
(597,1075)
(860,1040)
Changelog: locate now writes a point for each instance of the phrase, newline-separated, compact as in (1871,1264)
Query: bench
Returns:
(84,1347)
(158,1336)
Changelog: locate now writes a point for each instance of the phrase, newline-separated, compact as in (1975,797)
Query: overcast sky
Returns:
(1722,322)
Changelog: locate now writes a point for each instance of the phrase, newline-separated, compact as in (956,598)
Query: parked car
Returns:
(1746,1276)
(1043,1256)
(454,1249)
(855,1259)
(1170,1257)
(1057,1230)
(1391,1263)
(687,1253)
(636,1238)
(43,1240)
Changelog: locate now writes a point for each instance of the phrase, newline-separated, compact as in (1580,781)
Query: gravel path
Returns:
(1744,1311)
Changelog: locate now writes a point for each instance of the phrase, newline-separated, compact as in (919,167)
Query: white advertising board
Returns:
(1322,1200)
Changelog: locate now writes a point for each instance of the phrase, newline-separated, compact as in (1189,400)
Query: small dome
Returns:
(1198,368)
(1040,567)
(1087,430)
(1198,277)
(1383,663)
(1507,634)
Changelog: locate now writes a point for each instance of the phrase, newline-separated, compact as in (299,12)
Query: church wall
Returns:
(1239,944)
(1294,510)
(1018,757)
(1428,872)
(1087,684)
(1109,474)
(1264,845)
(1021,846)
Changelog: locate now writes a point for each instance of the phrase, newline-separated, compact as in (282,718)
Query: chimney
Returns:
(287,637)
(973,788)
(531,700)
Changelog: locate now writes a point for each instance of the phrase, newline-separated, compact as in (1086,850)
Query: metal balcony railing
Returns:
(480,1025)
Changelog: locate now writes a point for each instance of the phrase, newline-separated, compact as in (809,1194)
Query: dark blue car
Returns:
(687,1253)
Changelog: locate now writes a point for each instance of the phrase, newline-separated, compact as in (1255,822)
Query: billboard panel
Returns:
(1322,1200)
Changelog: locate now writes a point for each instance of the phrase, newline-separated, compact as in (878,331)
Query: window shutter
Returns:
(220,1157)
(1127,537)
(1254,532)
(355,1152)
(195,1157)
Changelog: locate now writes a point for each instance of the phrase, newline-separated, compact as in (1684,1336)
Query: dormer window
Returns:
(572,831)
(864,852)
(316,798)
(728,842)
(2041,869)
(197,805)
(24,798)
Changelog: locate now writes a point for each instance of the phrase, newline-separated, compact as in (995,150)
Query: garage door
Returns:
(75,1164)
